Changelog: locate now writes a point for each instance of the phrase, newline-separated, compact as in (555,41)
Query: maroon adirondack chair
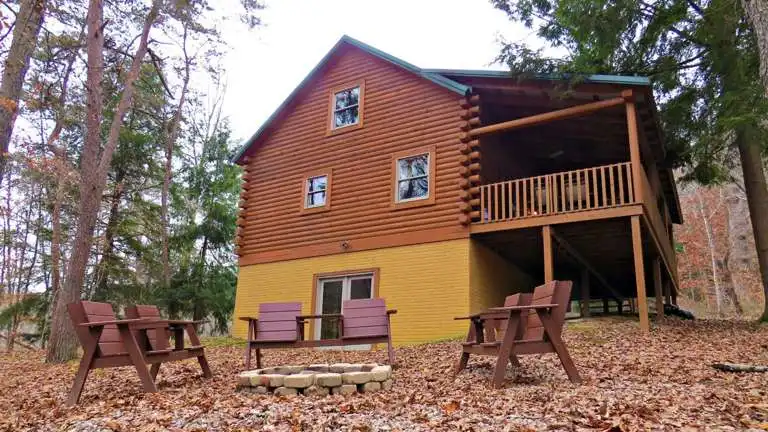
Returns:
(281,325)
(366,321)
(278,326)
(176,328)
(108,342)
(531,328)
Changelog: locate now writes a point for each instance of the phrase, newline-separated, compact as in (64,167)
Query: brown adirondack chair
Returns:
(108,342)
(278,326)
(531,327)
(177,328)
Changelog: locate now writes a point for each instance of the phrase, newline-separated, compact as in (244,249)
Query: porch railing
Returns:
(571,191)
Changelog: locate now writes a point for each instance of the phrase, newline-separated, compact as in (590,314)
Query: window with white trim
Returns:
(346,108)
(316,191)
(412,178)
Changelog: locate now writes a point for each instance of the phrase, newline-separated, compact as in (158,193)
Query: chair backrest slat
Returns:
(147,312)
(554,292)
(500,325)
(277,322)
(110,343)
(365,318)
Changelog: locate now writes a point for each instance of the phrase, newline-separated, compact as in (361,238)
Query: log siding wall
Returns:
(402,112)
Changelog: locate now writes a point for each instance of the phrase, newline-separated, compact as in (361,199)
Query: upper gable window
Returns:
(347,107)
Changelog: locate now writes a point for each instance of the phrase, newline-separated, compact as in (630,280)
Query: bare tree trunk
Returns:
(172,134)
(757,198)
(705,218)
(757,12)
(28,22)
(93,171)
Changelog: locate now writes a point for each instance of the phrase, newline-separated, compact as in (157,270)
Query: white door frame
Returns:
(345,295)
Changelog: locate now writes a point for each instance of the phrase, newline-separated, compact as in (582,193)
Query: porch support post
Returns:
(549,265)
(634,145)
(585,312)
(667,292)
(637,250)
(657,288)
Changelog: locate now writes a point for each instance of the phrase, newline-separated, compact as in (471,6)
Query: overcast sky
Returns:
(266,64)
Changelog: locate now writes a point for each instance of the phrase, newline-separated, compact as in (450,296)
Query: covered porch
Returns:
(573,187)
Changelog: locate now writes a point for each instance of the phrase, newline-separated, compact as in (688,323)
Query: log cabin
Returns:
(443,191)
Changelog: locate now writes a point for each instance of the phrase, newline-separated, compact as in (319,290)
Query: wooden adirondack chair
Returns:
(278,326)
(531,328)
(366,321)
(177,328)
(108,342)
(281,325)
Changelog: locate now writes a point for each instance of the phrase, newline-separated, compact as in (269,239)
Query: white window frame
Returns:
(308,193)
(358,105)
(399,180)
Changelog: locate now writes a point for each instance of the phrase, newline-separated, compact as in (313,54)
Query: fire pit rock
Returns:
(316,379)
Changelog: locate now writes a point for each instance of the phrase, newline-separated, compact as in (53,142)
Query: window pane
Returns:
(346,98)
(331,304)
(347,116)
(315,184)
(410,189)
(360,288)
(316,199)
(413,167)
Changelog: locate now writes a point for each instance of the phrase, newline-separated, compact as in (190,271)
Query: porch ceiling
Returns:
(606,244)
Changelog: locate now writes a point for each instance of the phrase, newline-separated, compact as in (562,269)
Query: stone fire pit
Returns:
(317,379)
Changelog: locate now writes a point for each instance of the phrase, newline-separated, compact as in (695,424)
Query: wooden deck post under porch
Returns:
(606,192)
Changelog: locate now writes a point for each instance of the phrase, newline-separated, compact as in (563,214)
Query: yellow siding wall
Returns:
(426,283)
(492,278)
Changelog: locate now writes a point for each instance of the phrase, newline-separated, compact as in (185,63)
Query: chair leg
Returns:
(390,351)
(505,350)
(85,366)
(514,361)
(462,363)
(154,370)
(248,356)
(139,362)
(77,386)
(559,346)
(204,365)
(258,358)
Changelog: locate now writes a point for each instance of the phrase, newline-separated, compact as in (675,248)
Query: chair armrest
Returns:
(304,317)
(185,322)
(391,311)
(521,308)
(148,325)
(112,322)
(468,317)
(247,318)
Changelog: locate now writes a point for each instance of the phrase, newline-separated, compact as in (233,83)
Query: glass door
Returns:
(331,293)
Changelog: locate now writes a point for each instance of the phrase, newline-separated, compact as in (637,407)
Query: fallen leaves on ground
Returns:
(662,381)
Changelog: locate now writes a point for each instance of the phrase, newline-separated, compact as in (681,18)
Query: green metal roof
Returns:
(604,79)
(440,77)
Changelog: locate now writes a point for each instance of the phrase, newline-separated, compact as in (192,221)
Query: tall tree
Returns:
(703,59)
(95,162)
(29,19)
